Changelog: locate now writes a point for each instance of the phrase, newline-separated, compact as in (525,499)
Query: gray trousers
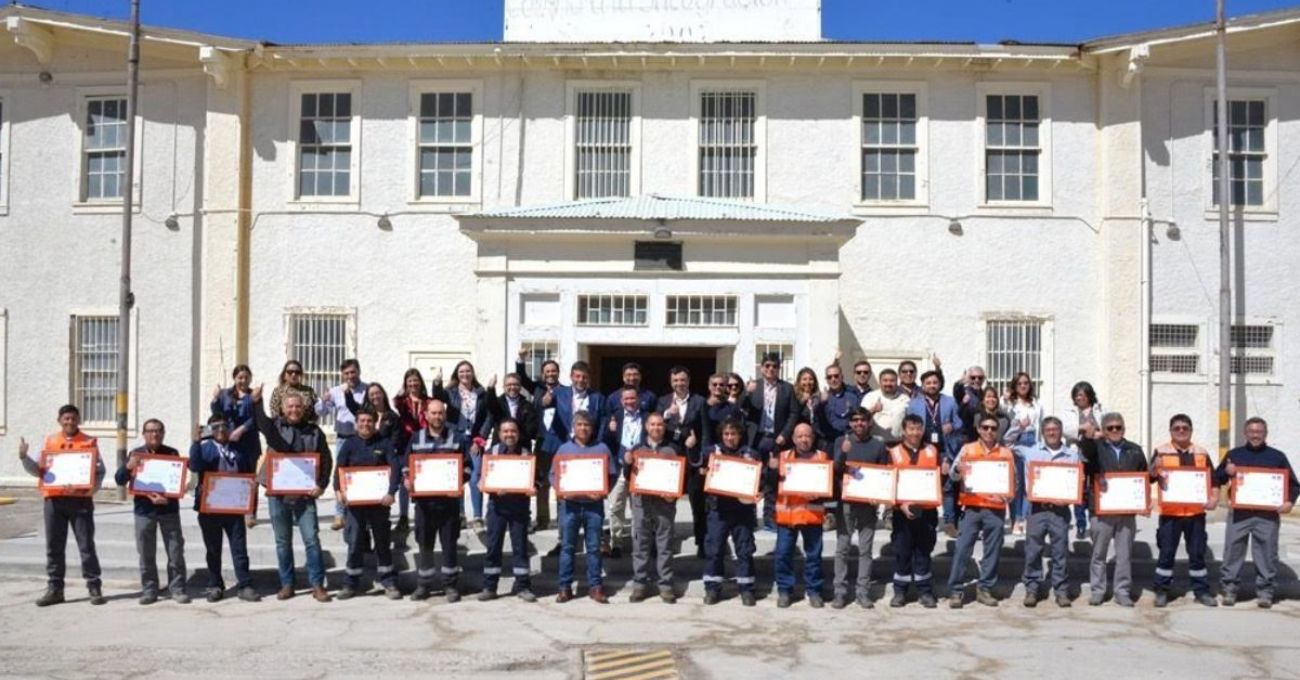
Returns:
(146,543)
(1120,528)
(1051,525)
(1261,533)
(851,518)
(616,512)
(652,536)
(986,525)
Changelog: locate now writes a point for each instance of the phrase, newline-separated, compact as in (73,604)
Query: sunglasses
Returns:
(735,386)
(293,371)
(988,428)
(1114,428)
(977,378)
(863,372)
(909,371)
(833,376)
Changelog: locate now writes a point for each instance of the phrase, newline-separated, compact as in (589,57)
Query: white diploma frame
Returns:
(1186,486)
(1127,493)
(919,486)
(436,475)
(228,494)
(733,476)
(1260,488)
(582,476)
(992,477)
(1059,483)
(865,483)
(366,485)
(292,474)
(655,475)
(807,478)
(74,469)
(509,474)
(162,475)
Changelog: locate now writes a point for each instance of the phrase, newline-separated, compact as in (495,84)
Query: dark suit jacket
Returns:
(1131,458)
(681,426)
(483,420)
(563,421)
(530,423)
(785,415)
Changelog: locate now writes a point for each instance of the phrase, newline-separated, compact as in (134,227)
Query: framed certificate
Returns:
(162,475)
(436,475)
(582,475)
(733,476)
(291,474)
(658,475)
(228,494)
(919,486)
(994,477)
(1259,488)
(1059,483)
(1185,486)
(68,471)
(807,478)
(365,485)
(1127,493)
(867,483)
(509,474)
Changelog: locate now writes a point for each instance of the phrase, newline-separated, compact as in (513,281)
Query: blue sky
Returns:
(297,21)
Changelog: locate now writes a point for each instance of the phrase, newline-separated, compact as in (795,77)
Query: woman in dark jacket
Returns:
(469,412)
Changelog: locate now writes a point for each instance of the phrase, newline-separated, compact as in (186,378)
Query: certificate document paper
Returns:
(365,485)
(1060,483)
(582,475)
(508,474)
(809,478)
(1125,494)
(1260,488)
(436,474)
(918,486)
(69,468)
(659,476)
(988,477)
(1186,486)
(733,476)
(292,474)
(226,494)
(163,475)
(864,483)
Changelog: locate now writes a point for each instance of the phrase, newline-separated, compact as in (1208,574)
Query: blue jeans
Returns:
(588,517)
(1019,506)
(983,524)
(285,514)
(812,557)
(475,496)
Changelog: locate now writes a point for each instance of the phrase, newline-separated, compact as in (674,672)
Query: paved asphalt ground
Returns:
(371,636)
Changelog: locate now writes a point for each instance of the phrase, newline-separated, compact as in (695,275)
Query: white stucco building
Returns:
(674,187)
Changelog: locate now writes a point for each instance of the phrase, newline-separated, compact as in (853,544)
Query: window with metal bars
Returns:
(889,147)
(446,143)
(320,342)
(1014,346)
(784,352)
(1247,122)
(1175,348)
(539,352)
(728,144)
(1252,350)
(604,144)
(94,368)
(1011,147)
(103,164)
(612,310)
(325,144)
(701,310)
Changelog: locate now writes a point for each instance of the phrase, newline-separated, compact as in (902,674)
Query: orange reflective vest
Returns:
(61,442)
(799,511)
(1168,456)
(901,457)
(976,451)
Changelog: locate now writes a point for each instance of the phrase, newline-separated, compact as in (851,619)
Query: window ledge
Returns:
(1252,215)
(891,208)
(1178,378)
(101,208)
(1027,208)
(319,204)
(106,431)
(446,203)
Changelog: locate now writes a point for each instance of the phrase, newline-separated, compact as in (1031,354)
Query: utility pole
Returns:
(125,298)
(1225,237)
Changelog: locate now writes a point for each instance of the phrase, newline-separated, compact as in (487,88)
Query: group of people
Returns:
(895,418)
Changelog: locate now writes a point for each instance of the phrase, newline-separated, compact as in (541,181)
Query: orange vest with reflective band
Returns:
(1167,454)
(799,511)
(928,456)
(60,442)
(975,451)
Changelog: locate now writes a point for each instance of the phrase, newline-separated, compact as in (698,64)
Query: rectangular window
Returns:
(603,154)
(446,142)
(1011,147)
(94,368)
(1176,348)
(539,352)
(889,147)
(784,352)
(728,144)
(320,342)
(1247,153)
(701,310)
(103,163)
(1013,347)
(612,310)
(1252,350)
(657,256)
(325,144)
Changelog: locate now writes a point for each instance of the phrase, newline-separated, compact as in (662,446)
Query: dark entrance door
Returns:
(607,365)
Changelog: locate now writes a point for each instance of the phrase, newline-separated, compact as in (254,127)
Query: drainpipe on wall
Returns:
(244,226)
(1133,74)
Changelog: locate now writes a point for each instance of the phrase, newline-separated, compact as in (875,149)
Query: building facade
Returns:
(1039,207)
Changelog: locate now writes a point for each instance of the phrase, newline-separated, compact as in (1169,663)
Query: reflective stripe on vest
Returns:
(1170,459)
(928,456)
(797,511)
